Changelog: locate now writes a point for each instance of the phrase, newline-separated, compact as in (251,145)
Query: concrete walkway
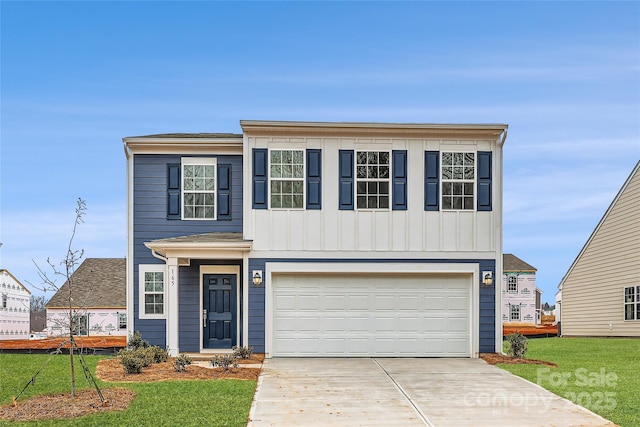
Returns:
(405,392)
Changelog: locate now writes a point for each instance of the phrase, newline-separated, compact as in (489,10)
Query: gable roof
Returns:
(513,263)
(626,184)
(6,272)
(97,283)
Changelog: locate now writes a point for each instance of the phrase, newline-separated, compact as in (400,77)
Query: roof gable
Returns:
(513,263)
(98,282)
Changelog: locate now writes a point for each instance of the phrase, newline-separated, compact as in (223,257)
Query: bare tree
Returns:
(38,313)
(66,268)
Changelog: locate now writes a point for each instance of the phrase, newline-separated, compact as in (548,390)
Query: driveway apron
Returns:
(405,392)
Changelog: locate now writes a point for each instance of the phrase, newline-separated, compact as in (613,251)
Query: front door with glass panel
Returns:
(219,311)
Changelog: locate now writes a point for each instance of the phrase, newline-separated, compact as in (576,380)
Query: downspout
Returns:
(159,256)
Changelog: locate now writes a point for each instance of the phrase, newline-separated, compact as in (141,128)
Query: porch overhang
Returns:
(201,246)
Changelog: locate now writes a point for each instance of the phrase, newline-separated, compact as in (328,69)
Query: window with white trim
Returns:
(515,312)
(632,303)
(198,188)
(122,320)
(151,287)
(372,179)
(286,176)
(512,284)
(458,181)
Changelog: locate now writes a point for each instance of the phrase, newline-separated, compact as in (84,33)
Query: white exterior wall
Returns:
(15,318)
(102,321)
(359,233)
(525,297)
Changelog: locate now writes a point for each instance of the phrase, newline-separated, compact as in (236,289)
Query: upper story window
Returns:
(632,303)
(198,188)
(287,179)
(372,179)
(458,181)
(151,288)
(512,284)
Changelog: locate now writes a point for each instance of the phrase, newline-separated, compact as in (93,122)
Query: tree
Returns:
(38,313)
(66,268)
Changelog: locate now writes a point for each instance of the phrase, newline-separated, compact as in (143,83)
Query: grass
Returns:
(184,403)
(601,374)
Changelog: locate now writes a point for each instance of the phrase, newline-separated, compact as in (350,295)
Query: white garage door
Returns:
(371,315)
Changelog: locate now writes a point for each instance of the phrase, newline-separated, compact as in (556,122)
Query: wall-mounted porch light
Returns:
(257,277)
(487,278)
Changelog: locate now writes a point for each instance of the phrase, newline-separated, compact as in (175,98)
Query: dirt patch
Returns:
(63,406)
(53,343)
(530,330)
(493,358)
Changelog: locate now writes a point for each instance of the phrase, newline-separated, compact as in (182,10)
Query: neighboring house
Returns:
(98,296)
(521,300)
(15,308)
(318,239)
(600,293)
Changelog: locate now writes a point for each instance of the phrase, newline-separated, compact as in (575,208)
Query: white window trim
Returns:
(634,304)
(304,178)
(508,290)
(511,312)
(207,161)
(475,180)
(151,268)
(388,179)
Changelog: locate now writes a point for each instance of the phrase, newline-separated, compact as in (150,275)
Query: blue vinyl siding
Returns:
(487,312)
(150,183)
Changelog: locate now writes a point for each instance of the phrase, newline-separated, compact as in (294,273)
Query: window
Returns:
(512,284)
(372,179)
(4,300)
(122,321)
(458,181)
(151,289)
(515,312)
(198,188)
(632,303)
(287,179)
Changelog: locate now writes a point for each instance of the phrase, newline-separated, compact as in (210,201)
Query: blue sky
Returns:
(76,77)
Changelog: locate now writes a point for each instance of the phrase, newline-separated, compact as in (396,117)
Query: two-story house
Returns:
(521,299)
(318,239)
(15,308)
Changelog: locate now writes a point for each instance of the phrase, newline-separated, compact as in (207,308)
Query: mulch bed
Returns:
(63,406)
(494,358)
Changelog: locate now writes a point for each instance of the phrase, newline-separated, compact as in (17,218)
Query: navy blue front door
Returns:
(219,311)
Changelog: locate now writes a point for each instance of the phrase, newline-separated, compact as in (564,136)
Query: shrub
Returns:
(159,354)
(136,341)
(181,362)
(224,361)
(132,361)
(517,345)
(242,352)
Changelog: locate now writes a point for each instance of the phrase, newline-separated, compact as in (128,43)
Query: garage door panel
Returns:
(360,315)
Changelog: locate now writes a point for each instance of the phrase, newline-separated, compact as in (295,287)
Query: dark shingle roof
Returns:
(513,263)
(98,282)
(204,238)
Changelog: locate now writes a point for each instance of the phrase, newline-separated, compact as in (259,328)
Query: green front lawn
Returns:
(601,374)
(183,403)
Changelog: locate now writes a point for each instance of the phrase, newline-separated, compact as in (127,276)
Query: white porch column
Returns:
(172,307)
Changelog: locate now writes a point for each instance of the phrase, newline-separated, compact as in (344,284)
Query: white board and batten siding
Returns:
(453,234)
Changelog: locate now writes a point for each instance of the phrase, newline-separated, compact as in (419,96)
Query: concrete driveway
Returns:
(405,392)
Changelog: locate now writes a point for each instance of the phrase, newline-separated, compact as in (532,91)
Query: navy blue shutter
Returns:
(224,192)
(260,178)
(173,191)
(484,181)
(345,190)
(399,180)
(314,179)
(431,180)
